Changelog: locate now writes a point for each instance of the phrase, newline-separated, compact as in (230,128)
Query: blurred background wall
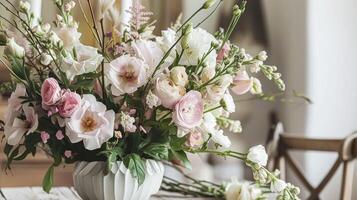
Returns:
(314,44)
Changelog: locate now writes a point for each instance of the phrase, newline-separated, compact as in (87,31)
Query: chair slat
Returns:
(299,143)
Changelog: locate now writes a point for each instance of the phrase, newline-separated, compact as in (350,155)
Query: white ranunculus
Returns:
(258,155)
(15,127)
(69,36)
(91,123)
(179,76)
(199,43)
(277,185)
(229,104)
(12,48)
(126,74)
(87,61)
(168,92)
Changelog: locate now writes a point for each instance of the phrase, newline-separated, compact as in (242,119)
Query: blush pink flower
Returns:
(223,52)
(149,51)
(126,74)
(59,135)
(242,83)
(45,136)
(70,101)
(189,110)
(50,93)
(194,139)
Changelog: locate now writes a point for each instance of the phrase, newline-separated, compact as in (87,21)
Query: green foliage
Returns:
(47,182)
(179,157)
(157,151)
(136,166)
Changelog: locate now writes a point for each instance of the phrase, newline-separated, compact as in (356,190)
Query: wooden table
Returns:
(64,193)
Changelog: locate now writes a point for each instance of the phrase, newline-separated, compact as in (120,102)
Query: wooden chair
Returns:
(280,144)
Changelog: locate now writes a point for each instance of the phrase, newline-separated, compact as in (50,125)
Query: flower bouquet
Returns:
(132,101)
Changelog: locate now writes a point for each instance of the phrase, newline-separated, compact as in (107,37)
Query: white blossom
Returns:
(179,76)
(257,86)
(228,102)
(262,56)
(277,185)
(258,155)
(25,7)
(235,126)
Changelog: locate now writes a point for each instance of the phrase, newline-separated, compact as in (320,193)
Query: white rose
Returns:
(87,61)
(179,76)
(69,36)
(239,191)
(277,185)
(258,155)
(199,43)
(91,123)
(207,74)
(168,92)
(12,48)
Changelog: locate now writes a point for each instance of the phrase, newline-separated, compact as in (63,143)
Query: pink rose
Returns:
(50,93)
(189,110)
(223,52)
(69,103)
(242,83)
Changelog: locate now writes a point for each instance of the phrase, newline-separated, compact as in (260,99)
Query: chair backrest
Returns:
(280,144)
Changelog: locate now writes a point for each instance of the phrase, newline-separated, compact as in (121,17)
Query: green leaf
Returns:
(136,166)
(180,156)
(83,84)
(47,182)
(157,151)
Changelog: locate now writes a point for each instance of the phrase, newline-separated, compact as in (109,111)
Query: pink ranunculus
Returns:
(69,103)
(50,93)
(223,52)
(189,110)
(242,83)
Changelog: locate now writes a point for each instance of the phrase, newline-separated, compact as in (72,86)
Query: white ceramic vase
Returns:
(91,182)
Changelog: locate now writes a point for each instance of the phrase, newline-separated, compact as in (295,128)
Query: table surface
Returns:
(63,193)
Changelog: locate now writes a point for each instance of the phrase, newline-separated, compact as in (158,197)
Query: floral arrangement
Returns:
(133,95)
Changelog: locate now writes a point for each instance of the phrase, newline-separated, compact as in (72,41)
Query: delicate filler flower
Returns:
(168,92)
(70,101)
(126,74)
(228,102)
(223,52)
(44,136)
(242,191)
(152,100)
(258,155)
(127,122)
(188,111)
(59,135)
(91,123)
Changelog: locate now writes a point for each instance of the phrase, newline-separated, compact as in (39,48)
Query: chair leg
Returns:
(347,180)
(281,166)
